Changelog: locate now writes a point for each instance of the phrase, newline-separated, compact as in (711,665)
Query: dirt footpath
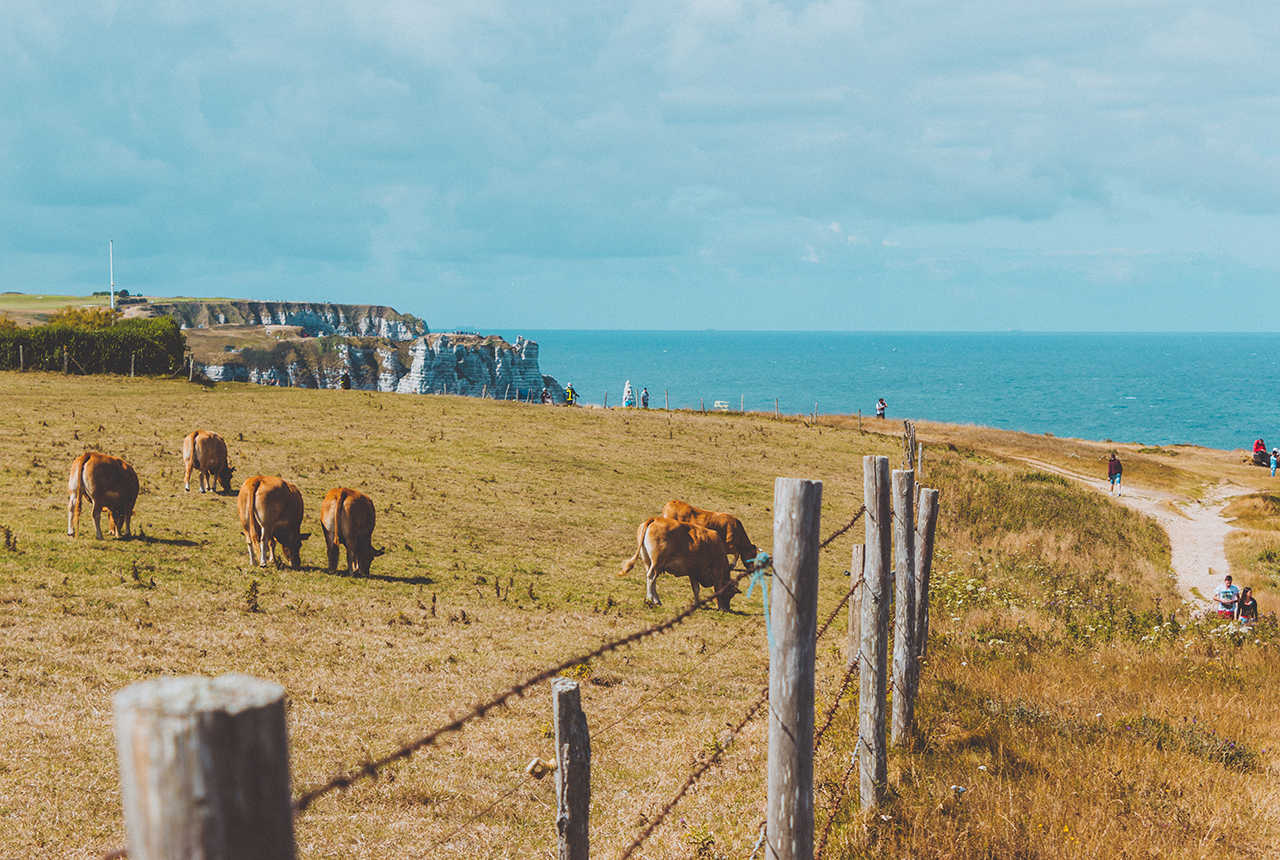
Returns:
(1197,531)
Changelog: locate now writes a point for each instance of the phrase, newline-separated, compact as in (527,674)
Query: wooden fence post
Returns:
(742,403)
(920,460)
(793,615)
(484,391)
(204,769)
(573,770)
(904,598)
(856,567)
(874,652)
(606,400)
(191,368)
(924,564)
(21,359)
(506,395)
(702,406)
(776,413)
(859,420)
(666,400)
(132,358)
(64,360)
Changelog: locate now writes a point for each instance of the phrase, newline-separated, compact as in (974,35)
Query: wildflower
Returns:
(982,767)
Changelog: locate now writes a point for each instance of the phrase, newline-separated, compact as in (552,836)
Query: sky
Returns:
(728,164)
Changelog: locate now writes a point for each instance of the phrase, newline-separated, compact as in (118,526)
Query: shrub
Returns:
(156,343)
(98,317)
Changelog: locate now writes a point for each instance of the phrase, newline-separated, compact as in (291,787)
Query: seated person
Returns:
(1247,608)
(1226,597)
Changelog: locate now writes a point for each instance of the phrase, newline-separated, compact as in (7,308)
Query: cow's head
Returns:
(292,546)
(224,477)
(725,587)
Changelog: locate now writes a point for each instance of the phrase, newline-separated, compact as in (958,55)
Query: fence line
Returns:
(835,806)
(373,767)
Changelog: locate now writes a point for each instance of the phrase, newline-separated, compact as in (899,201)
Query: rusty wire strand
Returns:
(701,768)
(373,767)
(835,706)
(862,510)
(835,807)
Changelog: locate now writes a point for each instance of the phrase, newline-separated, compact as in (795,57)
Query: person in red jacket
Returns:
(1114,474)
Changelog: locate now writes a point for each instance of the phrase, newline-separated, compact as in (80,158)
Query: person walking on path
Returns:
(881,406)
(1115,472)
(1227,597)
(644,400)
(628,395)
(1275,460)
(1247,608)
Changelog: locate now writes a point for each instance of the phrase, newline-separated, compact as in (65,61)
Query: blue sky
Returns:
(703,164)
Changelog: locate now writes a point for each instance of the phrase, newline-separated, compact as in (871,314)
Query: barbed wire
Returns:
(701,768)
(844,528)
(830,715)
(835,807)
(371,768)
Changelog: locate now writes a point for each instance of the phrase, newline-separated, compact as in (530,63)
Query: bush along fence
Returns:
(147,346)
(204,762)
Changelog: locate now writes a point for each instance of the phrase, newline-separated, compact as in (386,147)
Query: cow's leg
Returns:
(186,478)
(352,566)
(73,514)
(266,546)
(97,519)
(206,480)
(693,582)
(248,539)
(651,586)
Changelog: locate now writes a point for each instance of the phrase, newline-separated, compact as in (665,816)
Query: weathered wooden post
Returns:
(606,400)
(132,358)
(874,652)
(859,420)
(856,567)
(191,368)
(702,406)
(484,391)
(506,395)
(924,564)
(21,359)
(573,770)
(904,598)
(204,769)
(64,360)
(920,460)
(776,413)
(742,403)
(793,616)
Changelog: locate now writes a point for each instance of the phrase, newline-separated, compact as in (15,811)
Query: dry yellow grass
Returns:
(520,517)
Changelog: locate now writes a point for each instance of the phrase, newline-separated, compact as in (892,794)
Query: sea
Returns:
(1216,390)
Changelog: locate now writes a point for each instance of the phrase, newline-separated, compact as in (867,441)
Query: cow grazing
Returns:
(347,518)
(270,511)
(682,549)
(108,482)
(727,526)
(206,453)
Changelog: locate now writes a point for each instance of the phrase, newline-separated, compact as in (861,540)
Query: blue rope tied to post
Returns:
(761,565)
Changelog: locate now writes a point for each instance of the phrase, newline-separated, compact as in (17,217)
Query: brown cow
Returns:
(681,549)
(727,526)
(108,482)
(271,510)
(207,453)
(347,518)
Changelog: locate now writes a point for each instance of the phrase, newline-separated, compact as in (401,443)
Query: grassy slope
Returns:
(1032,634)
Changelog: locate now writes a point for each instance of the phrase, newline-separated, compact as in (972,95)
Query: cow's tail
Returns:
(640,536)
(77,491)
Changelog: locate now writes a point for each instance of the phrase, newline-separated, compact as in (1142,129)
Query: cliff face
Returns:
(434,364)
(315,318)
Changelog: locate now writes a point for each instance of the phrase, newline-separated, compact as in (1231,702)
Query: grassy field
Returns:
(1076,715)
